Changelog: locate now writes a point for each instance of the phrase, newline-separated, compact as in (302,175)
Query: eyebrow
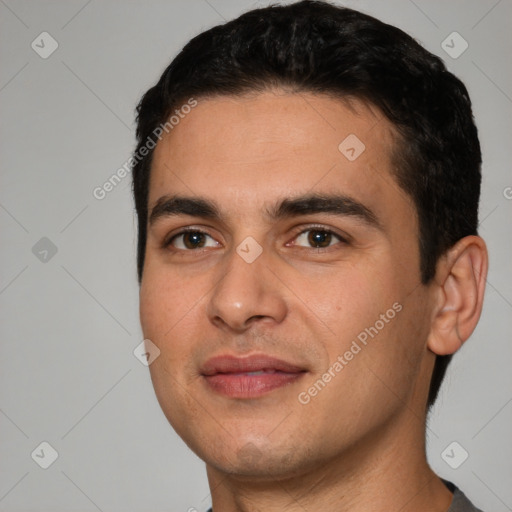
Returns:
(341,205)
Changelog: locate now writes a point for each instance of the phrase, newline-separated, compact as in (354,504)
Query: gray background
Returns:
(69,321)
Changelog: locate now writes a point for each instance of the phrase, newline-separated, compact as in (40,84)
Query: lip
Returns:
(232,376)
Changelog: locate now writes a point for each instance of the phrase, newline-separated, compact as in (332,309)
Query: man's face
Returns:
(278,270)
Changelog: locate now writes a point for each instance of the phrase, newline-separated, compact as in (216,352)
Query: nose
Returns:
(246,293)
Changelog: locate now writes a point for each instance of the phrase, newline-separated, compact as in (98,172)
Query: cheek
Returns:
(165,301)
(167,316)
(350,298)
(153,305)
(172,316)
(369,312)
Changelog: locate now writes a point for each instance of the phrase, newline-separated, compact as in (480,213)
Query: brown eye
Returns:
(193,240)
(317,238)
(190,240)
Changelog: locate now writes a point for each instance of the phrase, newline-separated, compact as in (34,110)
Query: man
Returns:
(308,256)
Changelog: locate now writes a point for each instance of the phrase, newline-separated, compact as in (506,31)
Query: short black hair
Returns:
(317,47)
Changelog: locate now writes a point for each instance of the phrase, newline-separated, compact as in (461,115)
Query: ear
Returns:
(459,291)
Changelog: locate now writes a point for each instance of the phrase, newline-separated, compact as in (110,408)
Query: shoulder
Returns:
(460,503)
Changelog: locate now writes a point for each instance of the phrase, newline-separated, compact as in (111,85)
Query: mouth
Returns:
(249,377)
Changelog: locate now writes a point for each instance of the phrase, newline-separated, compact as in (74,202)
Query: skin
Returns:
(359,444)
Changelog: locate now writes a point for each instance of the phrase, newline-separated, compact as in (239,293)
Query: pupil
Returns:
(320,238)
(193,240)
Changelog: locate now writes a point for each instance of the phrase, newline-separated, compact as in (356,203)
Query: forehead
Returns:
(244,152)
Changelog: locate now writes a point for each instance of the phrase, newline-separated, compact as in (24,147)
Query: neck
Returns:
(387,471)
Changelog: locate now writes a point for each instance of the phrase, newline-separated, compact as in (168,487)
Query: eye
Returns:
(192,239)
(318,238)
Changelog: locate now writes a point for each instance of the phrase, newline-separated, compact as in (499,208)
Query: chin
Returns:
(251,464)
(254,457)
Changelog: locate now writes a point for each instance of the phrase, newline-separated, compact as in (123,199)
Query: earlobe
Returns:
(460,285)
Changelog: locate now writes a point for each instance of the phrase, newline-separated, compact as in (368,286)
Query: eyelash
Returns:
(341,239)
(168,242)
